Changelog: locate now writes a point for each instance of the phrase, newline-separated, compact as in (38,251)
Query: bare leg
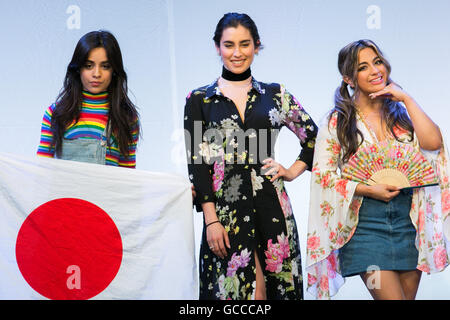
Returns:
(409,281)
(384,285)
(260,290)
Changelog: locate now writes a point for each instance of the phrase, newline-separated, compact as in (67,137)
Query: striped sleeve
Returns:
(45,149)
(130,161)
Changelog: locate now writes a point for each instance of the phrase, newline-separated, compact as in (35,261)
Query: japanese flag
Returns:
(71,230)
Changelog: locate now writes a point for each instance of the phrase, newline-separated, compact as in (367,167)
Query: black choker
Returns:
(228,75)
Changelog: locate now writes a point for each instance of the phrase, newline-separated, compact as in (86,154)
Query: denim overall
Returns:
(86,150)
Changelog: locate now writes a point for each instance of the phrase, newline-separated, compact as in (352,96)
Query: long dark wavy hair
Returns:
(393,113)
(123,115)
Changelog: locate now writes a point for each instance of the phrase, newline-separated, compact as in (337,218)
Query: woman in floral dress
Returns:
(250,246)
(385,235)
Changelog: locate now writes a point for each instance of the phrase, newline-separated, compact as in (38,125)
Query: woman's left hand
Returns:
(391,91)
(277,170)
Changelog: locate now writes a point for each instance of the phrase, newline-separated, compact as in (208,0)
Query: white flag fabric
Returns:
(71,230)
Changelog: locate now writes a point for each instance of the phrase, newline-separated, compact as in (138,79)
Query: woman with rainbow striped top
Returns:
(93,120)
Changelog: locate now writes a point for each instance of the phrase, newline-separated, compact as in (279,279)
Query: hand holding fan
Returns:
(390,163)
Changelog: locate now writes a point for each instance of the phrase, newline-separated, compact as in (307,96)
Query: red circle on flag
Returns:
(69,249)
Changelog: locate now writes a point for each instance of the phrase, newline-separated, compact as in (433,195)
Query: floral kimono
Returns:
(334,208)
(225,157)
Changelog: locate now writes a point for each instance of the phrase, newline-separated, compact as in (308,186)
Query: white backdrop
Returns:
(168,50)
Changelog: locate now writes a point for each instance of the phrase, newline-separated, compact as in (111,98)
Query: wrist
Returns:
(209,212)
(296,169)
(407,99)
(363,190)
(213,222)
(289,174)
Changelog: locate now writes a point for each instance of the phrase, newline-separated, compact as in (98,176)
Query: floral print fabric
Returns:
(334,208)
(256,213)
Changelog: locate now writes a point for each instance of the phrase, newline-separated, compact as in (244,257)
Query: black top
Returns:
(214,131)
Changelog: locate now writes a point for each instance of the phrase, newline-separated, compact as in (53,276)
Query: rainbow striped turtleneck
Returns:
(91,125)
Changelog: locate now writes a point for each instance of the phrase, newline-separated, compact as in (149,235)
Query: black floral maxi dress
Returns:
(224,163)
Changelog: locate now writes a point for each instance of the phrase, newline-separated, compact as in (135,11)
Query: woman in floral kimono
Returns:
(386,235)
(250,246)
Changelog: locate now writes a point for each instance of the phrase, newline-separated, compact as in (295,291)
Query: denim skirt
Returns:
(384,238)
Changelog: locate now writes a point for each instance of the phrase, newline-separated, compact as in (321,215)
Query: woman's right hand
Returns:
(383,192)
(217,238)
(216,235)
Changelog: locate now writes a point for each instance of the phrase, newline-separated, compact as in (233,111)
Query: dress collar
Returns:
(213,88)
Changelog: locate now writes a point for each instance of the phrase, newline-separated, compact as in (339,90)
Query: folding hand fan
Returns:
(390,163)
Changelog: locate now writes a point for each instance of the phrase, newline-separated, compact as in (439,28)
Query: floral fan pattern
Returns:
(390,163)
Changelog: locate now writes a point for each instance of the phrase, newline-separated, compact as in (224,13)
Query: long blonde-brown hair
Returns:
(394,114)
